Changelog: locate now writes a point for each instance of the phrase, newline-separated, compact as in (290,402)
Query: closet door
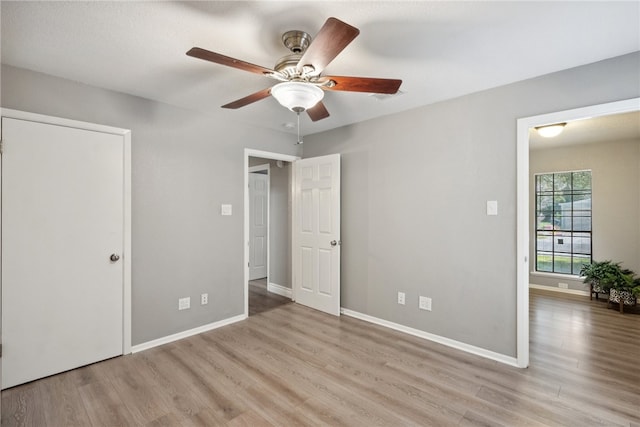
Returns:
(62,242)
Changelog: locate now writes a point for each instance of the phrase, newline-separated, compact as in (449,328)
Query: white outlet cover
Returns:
(226,210)
(401,298)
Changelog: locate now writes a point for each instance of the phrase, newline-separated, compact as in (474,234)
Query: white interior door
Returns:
(258,224)
(62,219)
(316,233)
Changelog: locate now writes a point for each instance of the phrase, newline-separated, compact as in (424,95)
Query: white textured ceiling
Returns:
(439,49)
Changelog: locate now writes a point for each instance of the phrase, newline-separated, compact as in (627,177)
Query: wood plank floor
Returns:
(295,366)
(261,300)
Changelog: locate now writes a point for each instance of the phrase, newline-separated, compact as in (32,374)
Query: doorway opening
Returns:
(523,204)
(267,214)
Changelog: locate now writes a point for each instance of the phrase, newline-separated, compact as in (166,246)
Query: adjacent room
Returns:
(320,213)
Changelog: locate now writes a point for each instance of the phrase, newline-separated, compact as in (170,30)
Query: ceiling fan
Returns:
(302,84)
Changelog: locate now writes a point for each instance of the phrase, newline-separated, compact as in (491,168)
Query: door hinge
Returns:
(1,146)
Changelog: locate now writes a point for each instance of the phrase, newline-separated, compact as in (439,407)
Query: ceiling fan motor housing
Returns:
(287,66)
(297,42)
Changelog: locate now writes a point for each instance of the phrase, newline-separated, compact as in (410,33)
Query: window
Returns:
(563,221)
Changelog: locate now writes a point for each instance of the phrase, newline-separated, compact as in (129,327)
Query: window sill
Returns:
(556,275)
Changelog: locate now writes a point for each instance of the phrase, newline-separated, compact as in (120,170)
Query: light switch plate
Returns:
(492,207)
(226,210)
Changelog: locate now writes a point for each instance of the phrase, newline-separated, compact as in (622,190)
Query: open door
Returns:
(316,233)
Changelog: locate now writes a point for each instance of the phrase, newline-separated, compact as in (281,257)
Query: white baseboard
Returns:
(200,329)
(280,290)
(508,360)
(561,290)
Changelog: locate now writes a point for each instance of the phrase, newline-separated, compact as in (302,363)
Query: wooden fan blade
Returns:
(332,38)
(207,55)
(250,99)
(362,84)
(318,112)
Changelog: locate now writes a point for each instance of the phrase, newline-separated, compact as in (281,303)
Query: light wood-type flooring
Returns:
(295,366)
(261,300)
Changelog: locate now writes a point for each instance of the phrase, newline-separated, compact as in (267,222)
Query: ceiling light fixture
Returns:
(549,131)
(297,96)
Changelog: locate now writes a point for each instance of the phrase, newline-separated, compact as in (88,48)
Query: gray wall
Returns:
(280,221)
(616,201)
(413,199)
(414,192)
(184,166)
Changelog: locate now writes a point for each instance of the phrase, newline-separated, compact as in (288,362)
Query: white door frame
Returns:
(248,152)
(258,168)
(522,175)
(126,255)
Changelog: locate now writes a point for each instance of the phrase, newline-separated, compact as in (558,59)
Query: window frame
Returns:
(571,232)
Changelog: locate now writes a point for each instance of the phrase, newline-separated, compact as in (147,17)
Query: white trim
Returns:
(279,289)
(556,275)
(467,348)
(522,179)
(248,152)
(126,258)
(184,334)
(59,121)
(561,290)
(522,245)
(269,155)
(258,168)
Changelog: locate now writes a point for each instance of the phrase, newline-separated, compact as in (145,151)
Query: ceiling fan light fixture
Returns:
(297,96)
(549,131)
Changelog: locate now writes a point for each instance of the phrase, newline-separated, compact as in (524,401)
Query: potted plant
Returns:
(623,287)
(594,273)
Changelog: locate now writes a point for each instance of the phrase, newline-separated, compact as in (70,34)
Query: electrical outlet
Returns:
(563,285)
(401,298)
(184,303)
(204,299)
(425,303)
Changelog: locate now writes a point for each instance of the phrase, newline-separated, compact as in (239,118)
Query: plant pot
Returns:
(622,297)
(597,289)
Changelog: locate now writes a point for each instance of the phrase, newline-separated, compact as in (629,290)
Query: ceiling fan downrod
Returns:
(299,141)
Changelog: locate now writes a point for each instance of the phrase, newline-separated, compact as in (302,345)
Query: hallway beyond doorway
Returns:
(261,300)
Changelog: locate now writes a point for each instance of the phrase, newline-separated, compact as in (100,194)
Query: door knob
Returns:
(114,257)
(334,242)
